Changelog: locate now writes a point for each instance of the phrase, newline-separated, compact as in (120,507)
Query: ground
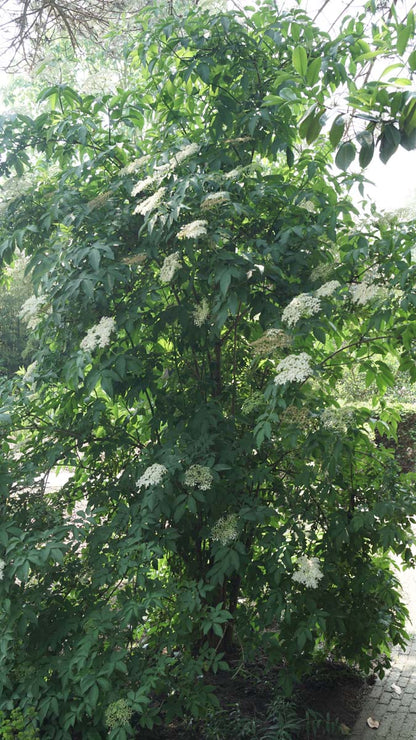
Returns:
(331,696)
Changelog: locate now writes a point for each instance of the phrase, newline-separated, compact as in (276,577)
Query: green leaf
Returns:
(337,130)
(345,155)
(403,35)
(314,68)
(389,141)
(300,60)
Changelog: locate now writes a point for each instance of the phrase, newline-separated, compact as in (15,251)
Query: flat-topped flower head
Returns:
(169,267)
(270,341)
(99,334)
(30,311)
(309,572)
(215,199)
(225,529)
(362,293)
(198,476)
(301,307)
(118,714)
(150,204)
(193,230)
(293,369)
(187,151)
(327,289)
(152,476)
(2,566)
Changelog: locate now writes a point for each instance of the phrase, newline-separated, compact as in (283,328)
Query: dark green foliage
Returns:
(195,311)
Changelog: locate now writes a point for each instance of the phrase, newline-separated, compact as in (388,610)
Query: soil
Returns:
(332,694)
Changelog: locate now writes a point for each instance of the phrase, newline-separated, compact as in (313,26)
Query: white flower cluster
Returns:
(144,184)
(338,420)
(327,289)
(99,200)
(362,293)
(198,476)
(302,306)
(233,174)
(99,334)
(29,375)
(225,529)
(193,230)
(271,340)
(215,199)
(135,165)
(293,369)
(188,151)
(169,267)
(201,313)
(30,310)
(321,272)
(152,476)
(149,204)
(2,565)
(309,573)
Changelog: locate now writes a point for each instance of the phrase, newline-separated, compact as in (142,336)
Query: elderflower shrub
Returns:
(152,476)
(309,572)
(225,529)
(99,334)
(198,476)
(270,341)
(293,369)
(301,307)
(118,714)
(151,203)
(169,267)
(327,289)
(193,230)
(2,566)
(201,313)
(322,272)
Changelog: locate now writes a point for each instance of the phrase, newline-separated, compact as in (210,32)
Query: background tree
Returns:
(201,282)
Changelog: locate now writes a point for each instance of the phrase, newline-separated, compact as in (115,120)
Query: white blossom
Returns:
(293,369)
(193,230)
(135,165)
(144,184)
(225,529)
(188,151)
(338,420)
(270,341)
(30,310)
(233,174)
(118,714)
(2,565)
(362,293)
(327,289)
(309,573)
(150,204)
(169,267)
(201,313)
(302,306)
(152,476)
(322,272)
(99,334)
(215,199)
(198,476)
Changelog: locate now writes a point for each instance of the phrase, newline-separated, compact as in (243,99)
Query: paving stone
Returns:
(395,712)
